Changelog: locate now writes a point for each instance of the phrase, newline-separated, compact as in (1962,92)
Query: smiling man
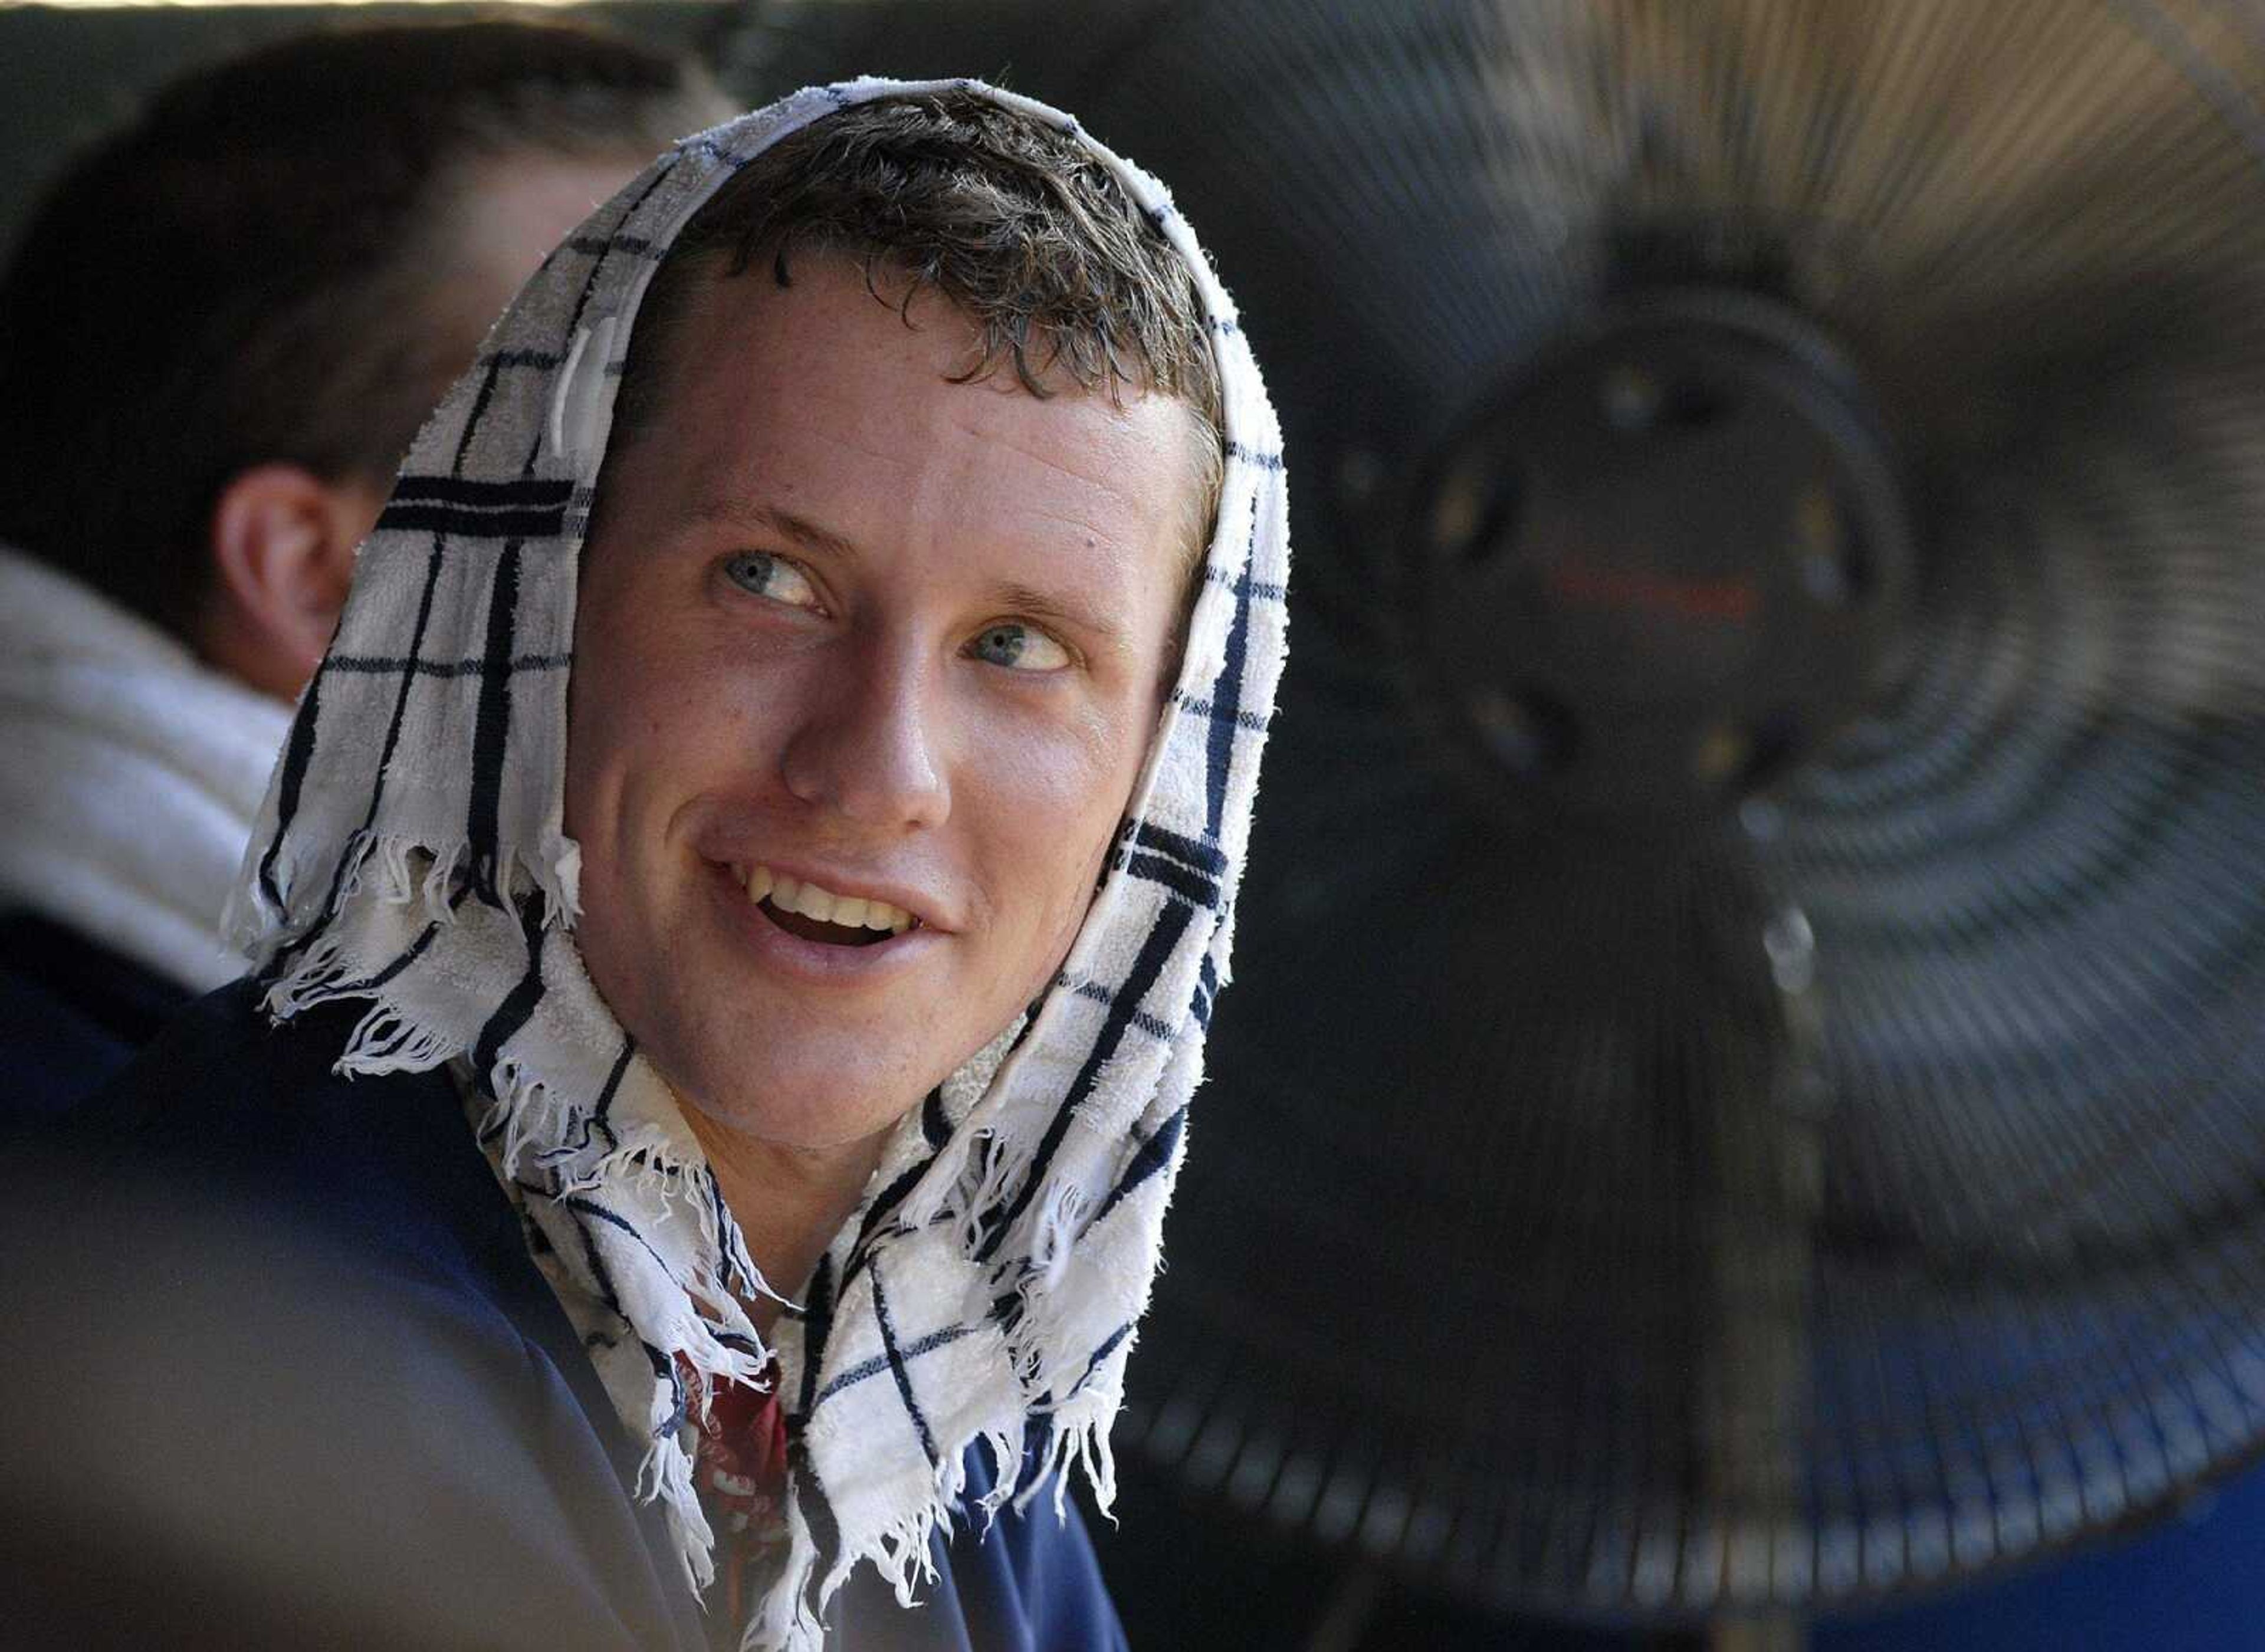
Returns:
(761,847)
(862,695)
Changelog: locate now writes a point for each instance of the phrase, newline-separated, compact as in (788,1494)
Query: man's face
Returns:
(849,626)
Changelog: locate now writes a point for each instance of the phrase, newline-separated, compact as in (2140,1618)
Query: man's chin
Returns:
(813,1103)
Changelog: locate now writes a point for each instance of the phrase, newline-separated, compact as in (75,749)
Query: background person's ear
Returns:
(283,542)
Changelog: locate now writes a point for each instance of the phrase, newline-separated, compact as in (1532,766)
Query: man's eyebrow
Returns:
(1028,602)
(809,535)
(1025,601)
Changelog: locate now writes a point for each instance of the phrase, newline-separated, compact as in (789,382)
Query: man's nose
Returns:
(867,745)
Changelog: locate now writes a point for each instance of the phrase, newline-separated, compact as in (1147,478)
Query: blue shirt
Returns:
(280,1369)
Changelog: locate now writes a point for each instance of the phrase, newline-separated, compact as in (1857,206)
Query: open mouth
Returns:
(811,913)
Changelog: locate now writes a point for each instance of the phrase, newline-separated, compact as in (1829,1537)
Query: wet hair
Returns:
(244,275)
(1011,220)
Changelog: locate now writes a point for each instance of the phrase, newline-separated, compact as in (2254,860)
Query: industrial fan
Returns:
(1746,1093)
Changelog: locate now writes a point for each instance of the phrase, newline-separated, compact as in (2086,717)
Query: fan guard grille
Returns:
(1603,1268)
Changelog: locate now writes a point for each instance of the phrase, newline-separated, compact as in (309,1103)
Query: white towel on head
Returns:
(412,855)
(131,776)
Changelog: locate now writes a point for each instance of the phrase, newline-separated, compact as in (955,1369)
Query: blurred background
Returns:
(70,73)
(1740,1121)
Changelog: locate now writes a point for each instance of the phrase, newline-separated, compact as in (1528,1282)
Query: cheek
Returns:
(654,707)
(603,714)
(1052,803)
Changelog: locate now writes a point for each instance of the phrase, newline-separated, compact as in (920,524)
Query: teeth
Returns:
(851,912)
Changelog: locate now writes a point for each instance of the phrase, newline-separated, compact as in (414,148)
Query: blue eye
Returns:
(1018,647)
(761,574)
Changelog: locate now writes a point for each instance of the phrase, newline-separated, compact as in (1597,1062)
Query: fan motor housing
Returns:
(1661,566)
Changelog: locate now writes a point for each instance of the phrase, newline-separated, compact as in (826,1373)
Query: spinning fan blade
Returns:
(1662,1230)
(1746,1088)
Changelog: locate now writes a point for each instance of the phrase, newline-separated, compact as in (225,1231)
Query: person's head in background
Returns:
(225,324)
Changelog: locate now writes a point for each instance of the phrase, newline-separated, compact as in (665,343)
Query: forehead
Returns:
(834,394)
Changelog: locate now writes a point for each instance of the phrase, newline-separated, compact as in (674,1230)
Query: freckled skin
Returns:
(852,723)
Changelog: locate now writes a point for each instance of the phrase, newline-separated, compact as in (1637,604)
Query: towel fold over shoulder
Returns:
(131,776)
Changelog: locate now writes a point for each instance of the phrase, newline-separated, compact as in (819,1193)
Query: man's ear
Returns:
(283,543)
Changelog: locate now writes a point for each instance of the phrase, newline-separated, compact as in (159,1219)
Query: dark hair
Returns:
(244,276)
(1013,221)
